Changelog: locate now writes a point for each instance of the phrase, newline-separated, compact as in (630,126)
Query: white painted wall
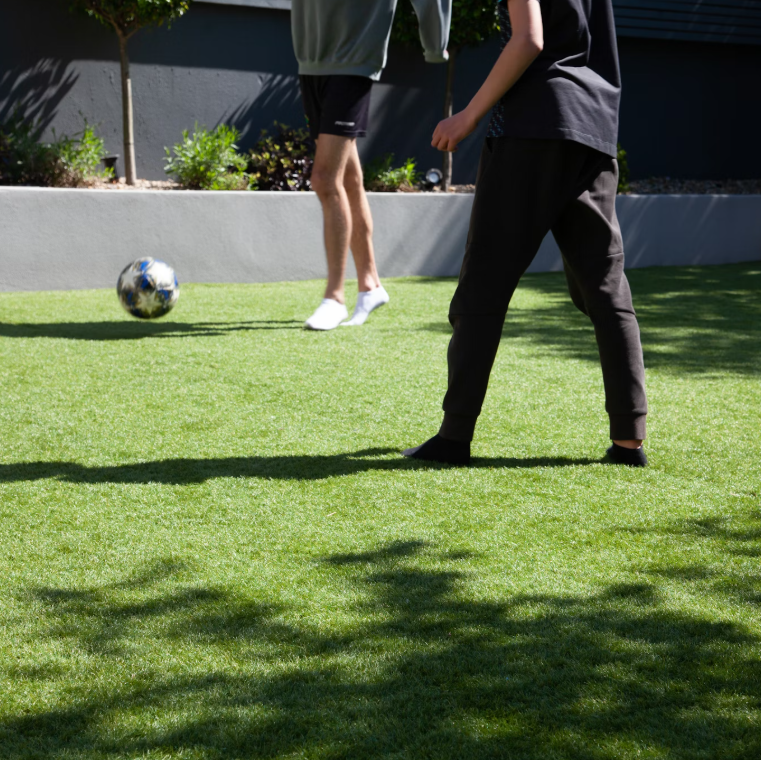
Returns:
(54,239)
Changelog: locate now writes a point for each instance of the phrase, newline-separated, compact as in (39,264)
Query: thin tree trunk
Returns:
(446,169)
(127,115)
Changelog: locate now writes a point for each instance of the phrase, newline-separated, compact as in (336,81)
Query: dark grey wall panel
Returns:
(689,109)
(220,63)
(733,21)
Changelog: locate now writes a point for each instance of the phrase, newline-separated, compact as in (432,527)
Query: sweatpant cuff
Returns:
(458,427)
(628,427)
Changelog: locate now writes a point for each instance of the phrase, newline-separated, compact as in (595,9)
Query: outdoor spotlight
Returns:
(433,178)
(110,163)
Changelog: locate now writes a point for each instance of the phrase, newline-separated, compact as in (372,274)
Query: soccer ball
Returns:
(148,288)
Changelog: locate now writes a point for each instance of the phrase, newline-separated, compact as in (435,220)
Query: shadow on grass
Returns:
(692,319)
(415,667)
(297,467)
(738,537)
(123,330)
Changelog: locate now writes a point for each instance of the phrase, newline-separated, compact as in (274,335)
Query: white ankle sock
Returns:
(328,315)
(367,301)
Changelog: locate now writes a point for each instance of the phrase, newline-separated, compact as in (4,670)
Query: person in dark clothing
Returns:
(548,164)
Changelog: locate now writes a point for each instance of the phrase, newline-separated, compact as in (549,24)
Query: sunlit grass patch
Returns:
(211,547)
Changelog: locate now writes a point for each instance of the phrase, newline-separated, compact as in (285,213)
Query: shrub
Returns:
(208,160)
(82,156)
(623,171)
(24,160)
(65,162)
(282,161)
(380,176)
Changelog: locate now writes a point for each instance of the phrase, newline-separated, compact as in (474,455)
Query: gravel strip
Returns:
(142,184)
(669,186)
(652,186)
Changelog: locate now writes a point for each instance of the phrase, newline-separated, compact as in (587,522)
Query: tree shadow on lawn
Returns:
(740,538)
(124,330)
(285,467)
(692,319)
(413,667)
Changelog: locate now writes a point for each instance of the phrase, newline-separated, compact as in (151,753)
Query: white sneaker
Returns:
(328,315)
(367,301)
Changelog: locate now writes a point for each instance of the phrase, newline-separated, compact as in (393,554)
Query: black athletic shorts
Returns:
(336,104)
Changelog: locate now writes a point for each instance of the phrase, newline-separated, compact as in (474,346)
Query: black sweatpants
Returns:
(525,188)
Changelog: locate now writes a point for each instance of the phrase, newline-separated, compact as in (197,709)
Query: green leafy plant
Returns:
(23,159)
(65,162)
(623,170)
(208,160)
(82,155)
(127,17)
(380,175)
(282,161)
(473,22)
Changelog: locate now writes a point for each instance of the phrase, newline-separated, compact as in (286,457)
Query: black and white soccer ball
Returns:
(148,288)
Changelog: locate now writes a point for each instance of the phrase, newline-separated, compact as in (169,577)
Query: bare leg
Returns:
(330,162)
(361,224)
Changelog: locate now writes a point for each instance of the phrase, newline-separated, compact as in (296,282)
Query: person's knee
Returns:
(325,182)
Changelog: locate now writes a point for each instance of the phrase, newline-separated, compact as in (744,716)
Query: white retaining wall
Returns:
(65,239)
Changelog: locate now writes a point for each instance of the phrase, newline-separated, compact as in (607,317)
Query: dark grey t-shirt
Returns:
(573,88)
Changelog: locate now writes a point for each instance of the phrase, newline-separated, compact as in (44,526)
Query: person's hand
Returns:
(450,132)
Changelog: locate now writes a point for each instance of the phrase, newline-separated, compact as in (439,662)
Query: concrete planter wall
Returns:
(61,239)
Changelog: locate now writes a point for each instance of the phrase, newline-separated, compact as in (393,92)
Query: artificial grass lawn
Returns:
(211,547)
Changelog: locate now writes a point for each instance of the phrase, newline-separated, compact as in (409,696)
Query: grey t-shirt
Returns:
(573,88)
(350,37)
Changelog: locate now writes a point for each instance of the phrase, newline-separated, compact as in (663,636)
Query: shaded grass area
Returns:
(293,467)
(426,671)
(212,549)
(695,319)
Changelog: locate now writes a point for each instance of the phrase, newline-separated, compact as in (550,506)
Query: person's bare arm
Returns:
(524,46)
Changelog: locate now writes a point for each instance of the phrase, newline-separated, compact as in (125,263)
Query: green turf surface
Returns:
(211,547)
